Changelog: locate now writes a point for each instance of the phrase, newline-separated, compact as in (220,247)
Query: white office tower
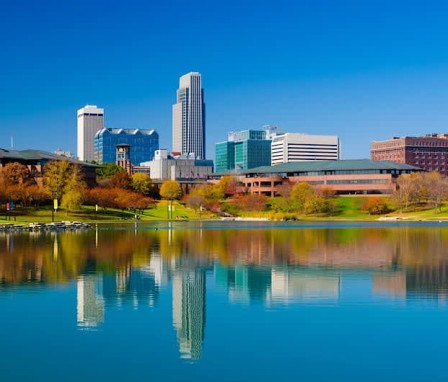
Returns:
(298,147)
(90,121)
(189,117)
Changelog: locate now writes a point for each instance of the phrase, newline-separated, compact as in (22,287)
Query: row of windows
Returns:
(333,172)
(90,115)
(358,181)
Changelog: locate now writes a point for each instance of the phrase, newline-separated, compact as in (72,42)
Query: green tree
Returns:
(74,195)
(301,194)
(108,170)
(56,174)
(141,183)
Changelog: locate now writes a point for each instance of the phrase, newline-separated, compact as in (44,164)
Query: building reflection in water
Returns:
(189,311)
(272,267)
(275,285)
(90,302)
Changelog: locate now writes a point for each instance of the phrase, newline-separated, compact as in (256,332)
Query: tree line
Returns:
(63,181)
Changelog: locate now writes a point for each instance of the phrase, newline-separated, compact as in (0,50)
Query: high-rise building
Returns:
(298,147)
(429,152)
(189,117)
(243,150)
(90,121)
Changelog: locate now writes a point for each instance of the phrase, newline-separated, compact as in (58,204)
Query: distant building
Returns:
(244,150)
(429,152)
(90,121)
(142,143)
(165,166)
(297,147)
(189,117)
(64,153)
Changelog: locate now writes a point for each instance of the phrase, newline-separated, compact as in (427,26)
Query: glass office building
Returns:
(142,144)
(243,150)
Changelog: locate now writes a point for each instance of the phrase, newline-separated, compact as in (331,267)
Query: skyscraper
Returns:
(189,117)
(90,121)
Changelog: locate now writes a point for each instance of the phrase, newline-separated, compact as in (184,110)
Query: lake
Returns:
(226,301)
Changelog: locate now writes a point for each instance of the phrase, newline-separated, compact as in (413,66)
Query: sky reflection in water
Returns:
(228,301)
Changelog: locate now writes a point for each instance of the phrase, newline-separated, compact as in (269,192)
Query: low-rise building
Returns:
(345,177)
(165,166)
(35,160)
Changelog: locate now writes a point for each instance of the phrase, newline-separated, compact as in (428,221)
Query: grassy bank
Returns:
(348,208)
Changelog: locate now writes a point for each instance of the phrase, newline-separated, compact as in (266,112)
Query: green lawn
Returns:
(88,214)
(348,209)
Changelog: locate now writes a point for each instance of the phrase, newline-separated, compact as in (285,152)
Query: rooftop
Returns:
(334,165)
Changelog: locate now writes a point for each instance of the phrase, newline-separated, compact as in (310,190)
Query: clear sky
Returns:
(360,69)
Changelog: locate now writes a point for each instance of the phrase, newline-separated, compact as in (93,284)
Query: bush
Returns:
(376,206)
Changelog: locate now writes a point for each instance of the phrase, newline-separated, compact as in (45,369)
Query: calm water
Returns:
(226,302)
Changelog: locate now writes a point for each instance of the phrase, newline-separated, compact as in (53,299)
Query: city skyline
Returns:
(363,71)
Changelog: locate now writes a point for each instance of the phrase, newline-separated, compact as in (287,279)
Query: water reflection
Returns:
(269,266)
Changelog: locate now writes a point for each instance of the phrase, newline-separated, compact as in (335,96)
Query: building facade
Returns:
(243,150)
(142,144)
(296,147)
(429,152)
(189,117)
(345,177)
(90,121)
(165,166)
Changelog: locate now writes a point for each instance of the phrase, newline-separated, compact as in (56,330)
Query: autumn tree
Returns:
(195,200)
(375,205)
(227,185)
(170,190)
(437,187)
(16,174)
(252,202)
(121,180)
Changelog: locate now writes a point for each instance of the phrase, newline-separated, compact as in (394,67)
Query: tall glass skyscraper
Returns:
(189,117)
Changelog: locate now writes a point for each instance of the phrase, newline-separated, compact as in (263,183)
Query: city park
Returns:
(62,195)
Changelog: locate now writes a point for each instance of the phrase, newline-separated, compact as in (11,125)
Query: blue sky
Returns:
(363,70)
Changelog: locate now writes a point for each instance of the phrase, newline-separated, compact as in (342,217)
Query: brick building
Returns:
(429,152)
